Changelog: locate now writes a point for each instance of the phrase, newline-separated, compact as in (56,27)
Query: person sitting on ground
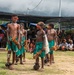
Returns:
(70,45)
(63,45)
(73,47)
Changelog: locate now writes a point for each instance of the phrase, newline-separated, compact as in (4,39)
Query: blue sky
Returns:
(45,8)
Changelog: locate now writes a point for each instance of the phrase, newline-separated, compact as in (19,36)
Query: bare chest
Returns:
(39,34)
(13,27)
(50,32)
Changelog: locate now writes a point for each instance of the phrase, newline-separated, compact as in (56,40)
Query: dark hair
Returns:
(14,15)
(51,24)
(64,39)
(22,25)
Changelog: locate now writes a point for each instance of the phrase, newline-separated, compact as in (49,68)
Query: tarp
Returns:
(4,25)
(32,24)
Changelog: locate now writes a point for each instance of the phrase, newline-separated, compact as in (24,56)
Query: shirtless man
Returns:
(52,35)
(12,31)
(39,44)
(23,36)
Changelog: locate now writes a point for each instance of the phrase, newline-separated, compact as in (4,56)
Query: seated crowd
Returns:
(66,45)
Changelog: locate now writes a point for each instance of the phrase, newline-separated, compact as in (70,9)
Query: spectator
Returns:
(1,37)
(62,34)
(70,45)
(63,45)
(68,38)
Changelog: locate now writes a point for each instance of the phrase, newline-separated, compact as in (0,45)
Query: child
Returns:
(39,45)
(32,46)
(70,45)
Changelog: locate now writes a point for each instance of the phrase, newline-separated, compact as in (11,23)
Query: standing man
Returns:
(40,44)
(52,38)
(13,31)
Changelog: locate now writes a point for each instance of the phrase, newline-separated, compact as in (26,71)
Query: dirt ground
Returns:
(64,65)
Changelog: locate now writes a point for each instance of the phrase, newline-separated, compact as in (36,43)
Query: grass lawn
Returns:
(64,65)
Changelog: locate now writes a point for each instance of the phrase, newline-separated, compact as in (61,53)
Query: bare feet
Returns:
(21,63)
(24,60)
(53,62)
(16,63)
(48,64)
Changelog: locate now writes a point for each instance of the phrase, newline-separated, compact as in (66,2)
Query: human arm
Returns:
(7,33)
(43,38)
(55,37)
(18,29)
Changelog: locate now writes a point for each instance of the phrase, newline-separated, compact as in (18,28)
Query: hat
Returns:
(41,24)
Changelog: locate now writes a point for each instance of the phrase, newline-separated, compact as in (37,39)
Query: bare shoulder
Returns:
(18,24)
(43,32)
(53,30)
(8,25)
(25,31)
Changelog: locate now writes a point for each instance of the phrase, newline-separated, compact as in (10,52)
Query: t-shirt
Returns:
(64,44)
(70,46)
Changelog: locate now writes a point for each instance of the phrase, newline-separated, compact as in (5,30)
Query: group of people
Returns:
(17,43)
(66,46)
(66,41)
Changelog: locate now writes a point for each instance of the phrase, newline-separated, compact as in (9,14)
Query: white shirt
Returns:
(70,46)
(64,44)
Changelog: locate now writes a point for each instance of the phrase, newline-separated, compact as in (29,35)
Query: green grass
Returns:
(26,69)
(29,55)
(1,21)
(70,53)
(64,53)
(3,70)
